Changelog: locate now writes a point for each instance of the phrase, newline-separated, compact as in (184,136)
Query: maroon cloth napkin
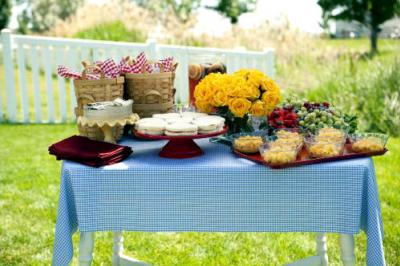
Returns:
(89,152)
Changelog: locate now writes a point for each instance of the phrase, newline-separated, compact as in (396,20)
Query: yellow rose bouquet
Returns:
(236,96)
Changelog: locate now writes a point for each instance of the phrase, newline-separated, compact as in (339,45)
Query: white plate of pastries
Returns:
(180,124)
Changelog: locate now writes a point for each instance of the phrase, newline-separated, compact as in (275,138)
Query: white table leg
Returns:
(118,259)
(118,248)
(347,249)
(321,259)
(322,249)
(86,243)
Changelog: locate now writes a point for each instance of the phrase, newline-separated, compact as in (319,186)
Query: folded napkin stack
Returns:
(89,152)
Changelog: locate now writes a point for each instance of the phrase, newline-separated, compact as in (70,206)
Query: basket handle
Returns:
(152,93)
(162,70)
(88,67)
(143,69)
(174,66)
(79,100)
(87,97)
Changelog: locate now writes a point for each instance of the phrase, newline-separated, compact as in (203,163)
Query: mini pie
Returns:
(369,144)
(209,124)
(180,119)
(167,115)
(193,115)
(151,126)
(247,144)
(180,129)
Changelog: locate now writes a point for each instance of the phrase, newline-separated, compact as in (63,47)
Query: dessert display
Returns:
(180,129)
(107,115)
(180,124)
(248,144)
(108,110)
(368,142)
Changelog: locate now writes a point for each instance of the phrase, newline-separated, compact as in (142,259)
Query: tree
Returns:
(234,8)
(181,8)
(5,13)
(370,13)
(43,14)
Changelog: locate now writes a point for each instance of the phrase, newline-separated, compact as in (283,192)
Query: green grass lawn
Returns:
(29,186)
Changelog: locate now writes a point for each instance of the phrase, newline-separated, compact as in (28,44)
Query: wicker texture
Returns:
(89,91)
(152,93)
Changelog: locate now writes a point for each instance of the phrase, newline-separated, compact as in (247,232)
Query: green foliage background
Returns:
(5,13)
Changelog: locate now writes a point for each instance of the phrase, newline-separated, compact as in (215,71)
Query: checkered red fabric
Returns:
(66,72)
(111,69)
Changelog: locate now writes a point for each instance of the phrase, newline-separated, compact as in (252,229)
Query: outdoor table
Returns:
(217,192)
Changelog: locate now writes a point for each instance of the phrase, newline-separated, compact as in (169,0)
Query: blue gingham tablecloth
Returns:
(216,192)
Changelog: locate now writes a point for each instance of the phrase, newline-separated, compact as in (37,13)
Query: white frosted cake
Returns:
(108,110)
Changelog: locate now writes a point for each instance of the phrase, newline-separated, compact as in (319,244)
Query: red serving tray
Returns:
(304,159)
(180,147)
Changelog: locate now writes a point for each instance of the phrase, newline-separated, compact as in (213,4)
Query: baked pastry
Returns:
(180,129)
(180,119)
(209,124)
(167,115)
(248,144)
(151,126)
(150,120)
(108,110)
(370,144)
(193,115)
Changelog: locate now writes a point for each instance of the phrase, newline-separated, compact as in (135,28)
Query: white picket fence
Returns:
(43,97)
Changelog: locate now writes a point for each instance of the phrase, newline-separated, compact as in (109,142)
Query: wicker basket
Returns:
(152,93)
(89,91)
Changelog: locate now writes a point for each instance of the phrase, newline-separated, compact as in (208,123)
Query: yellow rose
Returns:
(200,91)
(257,108)
(268,84)
(239,106)
(255,93)
(270,99)
(220,98)
(204,106)
(208,86)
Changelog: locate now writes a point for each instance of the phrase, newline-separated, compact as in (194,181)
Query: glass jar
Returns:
(200,65)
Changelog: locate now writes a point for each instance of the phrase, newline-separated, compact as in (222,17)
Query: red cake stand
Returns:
(180,147)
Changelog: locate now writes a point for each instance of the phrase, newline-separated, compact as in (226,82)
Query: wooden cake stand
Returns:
(180,147)
(106,125)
